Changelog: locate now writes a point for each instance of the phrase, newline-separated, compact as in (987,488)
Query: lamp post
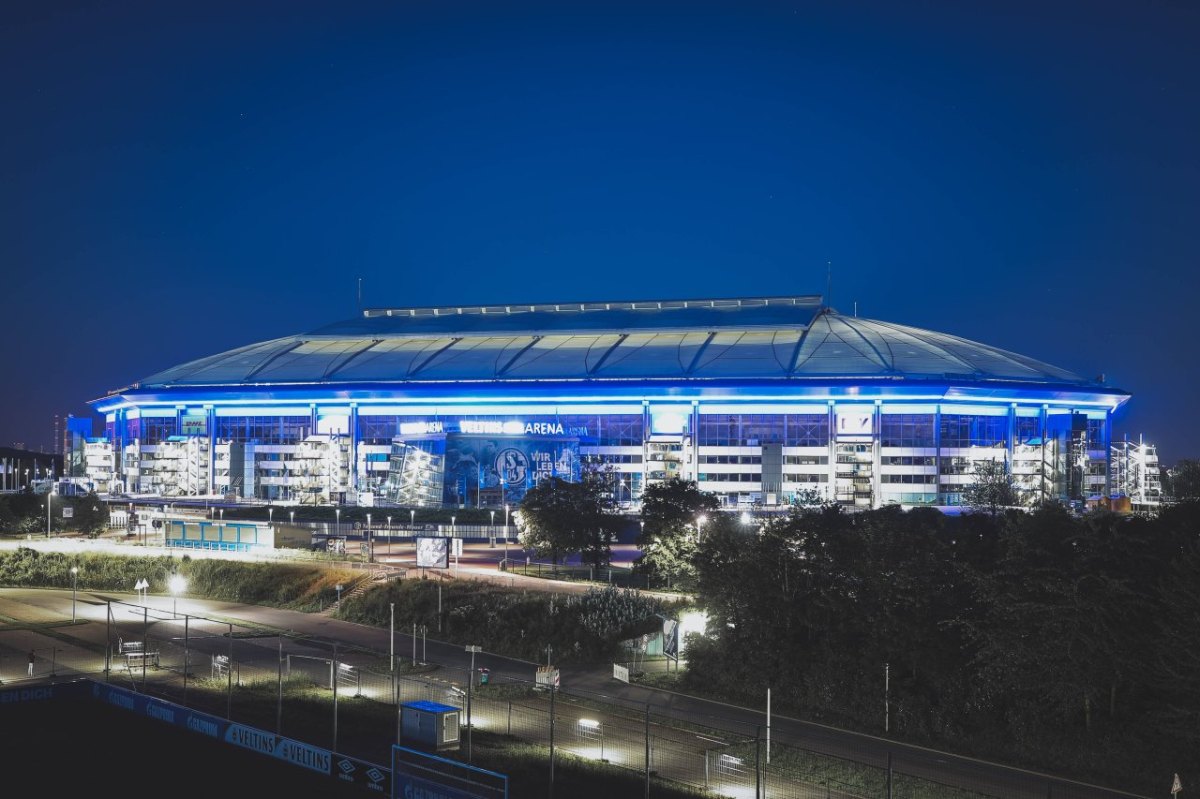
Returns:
(49,495)
(470,682)
(177,585)
(74,584)
(492,531)
(367,538)
(506,531)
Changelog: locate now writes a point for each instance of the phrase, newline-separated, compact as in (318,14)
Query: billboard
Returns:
(501,468)
(433,553)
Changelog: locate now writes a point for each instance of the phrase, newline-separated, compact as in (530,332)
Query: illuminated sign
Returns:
(421,428)
(855,422)
(193,426)
(510,428)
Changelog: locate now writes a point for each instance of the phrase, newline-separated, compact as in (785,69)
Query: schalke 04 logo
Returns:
(512,466)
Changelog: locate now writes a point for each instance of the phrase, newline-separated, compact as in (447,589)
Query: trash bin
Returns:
(483,676)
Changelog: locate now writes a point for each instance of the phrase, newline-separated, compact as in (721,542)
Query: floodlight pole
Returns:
(185,657)
(145,630)
(552,692)
(279,695)
(74,585)
(334,673)
(108,638)
(470,683)
(229,678)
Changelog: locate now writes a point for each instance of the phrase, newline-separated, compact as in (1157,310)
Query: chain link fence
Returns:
(348,698)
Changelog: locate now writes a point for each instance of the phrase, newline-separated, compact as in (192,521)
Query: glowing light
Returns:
(692,621)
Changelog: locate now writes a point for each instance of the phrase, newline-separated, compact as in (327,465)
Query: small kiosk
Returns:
(429,725)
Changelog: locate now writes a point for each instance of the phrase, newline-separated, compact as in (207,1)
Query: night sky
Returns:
(177,179)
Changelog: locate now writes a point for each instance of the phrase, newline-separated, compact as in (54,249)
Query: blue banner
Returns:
(362,773)
(504,468)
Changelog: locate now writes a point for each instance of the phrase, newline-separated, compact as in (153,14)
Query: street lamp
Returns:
(74,584)
(470,682)
(49,495)
(177,585)
(492,536)
(506,531)
(367,537)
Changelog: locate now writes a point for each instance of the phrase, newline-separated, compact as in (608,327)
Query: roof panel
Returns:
(795,345)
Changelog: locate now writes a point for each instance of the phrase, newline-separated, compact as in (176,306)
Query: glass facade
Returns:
(489,459)
(906,430)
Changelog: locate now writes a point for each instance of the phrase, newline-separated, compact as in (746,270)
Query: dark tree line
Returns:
(1066,644)
(24,513)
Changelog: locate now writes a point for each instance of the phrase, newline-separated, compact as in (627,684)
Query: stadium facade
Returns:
(763,401)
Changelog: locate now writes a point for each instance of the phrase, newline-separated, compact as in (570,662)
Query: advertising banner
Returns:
(505,467)
(433,553)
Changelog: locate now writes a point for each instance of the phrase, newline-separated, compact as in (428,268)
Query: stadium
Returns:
(764,401)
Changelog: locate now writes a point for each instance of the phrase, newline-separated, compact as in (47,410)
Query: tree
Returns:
(991,489)
(1183,482)
(91,515)
(558,517)
(671,528)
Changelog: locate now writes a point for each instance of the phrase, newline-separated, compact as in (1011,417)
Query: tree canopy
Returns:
(671,526)
(1060,642)
(558,517)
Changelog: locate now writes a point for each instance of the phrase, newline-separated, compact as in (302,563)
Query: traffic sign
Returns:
(1176,785)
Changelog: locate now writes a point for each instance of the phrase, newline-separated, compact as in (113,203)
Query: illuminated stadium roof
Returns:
(751,339)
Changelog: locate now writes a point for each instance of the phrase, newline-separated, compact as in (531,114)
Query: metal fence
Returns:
(285,683)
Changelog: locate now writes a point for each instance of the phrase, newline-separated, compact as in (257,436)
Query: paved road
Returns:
(62,647)
(480,563)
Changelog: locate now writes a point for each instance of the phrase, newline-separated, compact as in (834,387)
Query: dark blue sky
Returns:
(177,179)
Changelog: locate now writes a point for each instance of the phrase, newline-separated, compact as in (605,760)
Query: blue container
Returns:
(429,725)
